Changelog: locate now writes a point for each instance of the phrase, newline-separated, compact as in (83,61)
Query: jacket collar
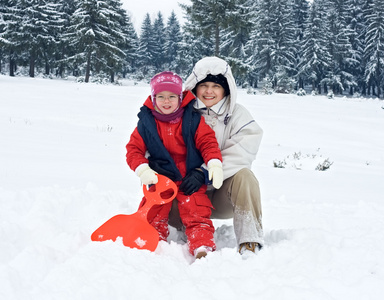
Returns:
(219,108)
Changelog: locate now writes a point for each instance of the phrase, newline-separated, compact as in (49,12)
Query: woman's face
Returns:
(167,102)
(210,93)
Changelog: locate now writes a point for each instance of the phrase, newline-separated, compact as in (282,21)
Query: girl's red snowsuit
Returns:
(185,143)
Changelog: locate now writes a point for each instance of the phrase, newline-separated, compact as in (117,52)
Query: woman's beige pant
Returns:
(238,198)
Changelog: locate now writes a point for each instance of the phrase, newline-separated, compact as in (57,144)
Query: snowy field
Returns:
(63,173)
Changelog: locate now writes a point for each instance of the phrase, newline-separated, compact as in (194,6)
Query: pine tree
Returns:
(374,49)
(97,33)
(339,47)
(173,39)
(5,7)
(159,38)
(131,48)
(119,31)
(315,59)
(64,49)
(145,51)
(193,48)
(240,20)
(275,34)
(300,15)
(356,62)
(33,26)
(12,16)
(207,19)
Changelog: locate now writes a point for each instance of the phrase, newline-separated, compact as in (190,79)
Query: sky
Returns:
(138,9)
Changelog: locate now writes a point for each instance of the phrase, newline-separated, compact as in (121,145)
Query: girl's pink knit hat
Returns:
(166,81)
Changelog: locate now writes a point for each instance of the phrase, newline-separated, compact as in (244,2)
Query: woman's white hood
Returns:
(215,66)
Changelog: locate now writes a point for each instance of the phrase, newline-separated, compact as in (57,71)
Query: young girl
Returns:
(175,141)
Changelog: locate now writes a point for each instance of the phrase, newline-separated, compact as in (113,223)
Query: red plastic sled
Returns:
(134,229)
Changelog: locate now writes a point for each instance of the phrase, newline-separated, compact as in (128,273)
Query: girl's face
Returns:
(210,93)
(167,102)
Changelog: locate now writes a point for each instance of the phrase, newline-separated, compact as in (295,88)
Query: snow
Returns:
(63,174)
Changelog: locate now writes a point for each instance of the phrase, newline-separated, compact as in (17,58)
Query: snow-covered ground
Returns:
(63,173)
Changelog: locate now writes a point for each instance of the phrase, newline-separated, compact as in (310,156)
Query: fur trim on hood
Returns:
(213,65)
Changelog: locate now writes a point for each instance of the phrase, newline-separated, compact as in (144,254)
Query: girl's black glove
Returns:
(157,165)
(192,182)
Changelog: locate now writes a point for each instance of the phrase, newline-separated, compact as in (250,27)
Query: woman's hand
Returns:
(215,172)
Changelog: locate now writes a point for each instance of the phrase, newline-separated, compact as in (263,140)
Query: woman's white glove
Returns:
(146,174)
(215,172)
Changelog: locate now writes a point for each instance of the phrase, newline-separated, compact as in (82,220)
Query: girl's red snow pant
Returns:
(195,212)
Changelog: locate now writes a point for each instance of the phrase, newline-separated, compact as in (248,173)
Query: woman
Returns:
(239,137)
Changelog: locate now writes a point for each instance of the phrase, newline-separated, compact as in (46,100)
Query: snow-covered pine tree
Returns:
(207,19)
(338,77)
(275,33)
(33,27)
(356,63)
(63,49)
(159,37)
(97,33)
(119,41)
(261,41)
(5,6)
(131,48)
(300,16)
(145,52)
(173,39)
(193,47)
(240,21)
(284,56)
(252,48)
(374,46)
(314,56)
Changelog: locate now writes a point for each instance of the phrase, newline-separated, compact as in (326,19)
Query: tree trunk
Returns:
(11,66)
(47,68)
(378,77)
(32,65)
(217,40)
(88,68)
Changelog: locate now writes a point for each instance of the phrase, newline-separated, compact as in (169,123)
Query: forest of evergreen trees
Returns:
(323,45)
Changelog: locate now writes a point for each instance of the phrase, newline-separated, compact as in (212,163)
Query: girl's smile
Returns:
(167,102)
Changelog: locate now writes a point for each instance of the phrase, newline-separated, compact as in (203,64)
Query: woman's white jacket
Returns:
(237,133)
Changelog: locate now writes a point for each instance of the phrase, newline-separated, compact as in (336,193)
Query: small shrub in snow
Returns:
(99,79)
(356,95)
(267,86)
(325,165)
(117,82)
(301,92)
(279,163)
(299,161)
(80,79)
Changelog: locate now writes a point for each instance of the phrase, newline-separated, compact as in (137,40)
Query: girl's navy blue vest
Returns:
(148,131)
